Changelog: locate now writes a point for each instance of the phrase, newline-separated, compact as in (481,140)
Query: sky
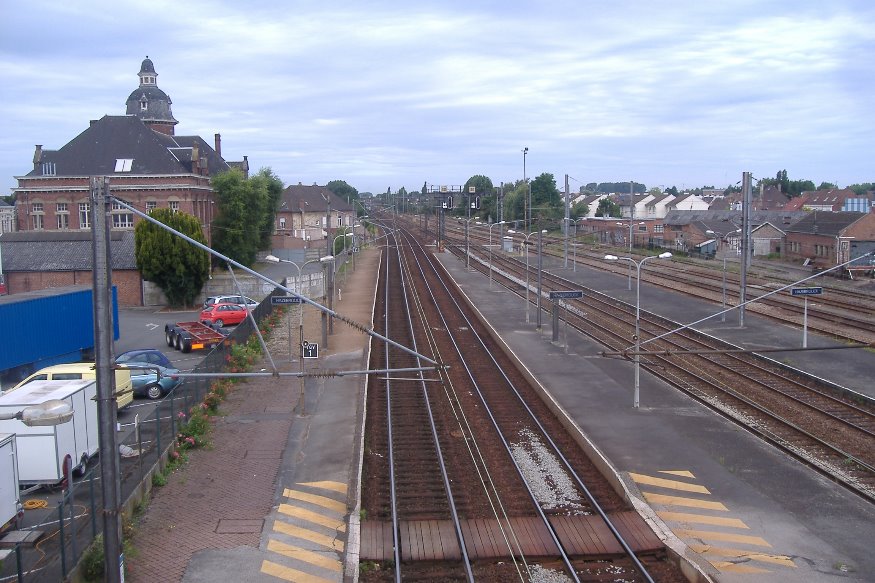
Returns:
(389,94)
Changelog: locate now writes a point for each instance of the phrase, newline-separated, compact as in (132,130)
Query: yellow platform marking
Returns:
(304,555)
(314,537)
(314,517)
(336,486)
(680,501)
(289,574)
(725,536)
(679,473)
(782,560)
(673,484)
(702,519)
(339,507)
(728,567)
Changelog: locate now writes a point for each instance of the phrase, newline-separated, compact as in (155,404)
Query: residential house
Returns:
(823,200)
(7,217)
(310,213)
(687,202)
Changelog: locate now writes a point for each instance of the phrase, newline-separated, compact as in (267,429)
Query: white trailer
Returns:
(10,503)
(42,450)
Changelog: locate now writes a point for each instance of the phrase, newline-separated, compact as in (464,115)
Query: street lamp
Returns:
(467,247)
(525,245)
(47,413)
(490,249)
(638,265)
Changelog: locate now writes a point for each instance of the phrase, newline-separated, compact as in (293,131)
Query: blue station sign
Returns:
(566,295)
(806,291)
(282,300)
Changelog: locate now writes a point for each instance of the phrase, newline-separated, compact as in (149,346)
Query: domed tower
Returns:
(149,103)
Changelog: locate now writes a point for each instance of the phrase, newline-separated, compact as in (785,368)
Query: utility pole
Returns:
(567,218)
(745,242)
(107,411)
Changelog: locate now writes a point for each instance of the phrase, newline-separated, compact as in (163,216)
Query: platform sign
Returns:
(309,350)
(566,295)
(806,291)
(282,300)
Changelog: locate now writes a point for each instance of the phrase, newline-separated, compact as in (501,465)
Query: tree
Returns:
(270,183)
(242,205)
(826,186)
(579,209)
(861,189)
(546,199)
(176,266)
(608,208)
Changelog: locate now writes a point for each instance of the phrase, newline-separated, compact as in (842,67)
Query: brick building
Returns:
(147,164)
(824,239)
(310,213)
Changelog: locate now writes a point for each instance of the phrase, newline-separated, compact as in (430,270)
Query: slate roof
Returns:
(779,218)
(94,152)
(828,223)
(310,199)
(62,251)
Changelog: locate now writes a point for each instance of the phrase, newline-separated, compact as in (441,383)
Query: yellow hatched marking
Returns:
(782,560)
(679,473)
(680,501)
(289,574)
(314,537)
(339,507)
(673,484)
(313,517)
(304,555)
(327,485)
(728,567)
(726,536)
(702,519)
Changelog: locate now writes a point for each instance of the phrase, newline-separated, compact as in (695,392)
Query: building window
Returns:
(63,216)
(144,105)
(282,223)
(658,228)
(123,164)
(48,168)
(151,205)
(37,212)
(122,221)
(174,206)
(84,215)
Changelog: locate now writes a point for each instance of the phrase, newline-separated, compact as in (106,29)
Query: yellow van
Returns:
(124,390)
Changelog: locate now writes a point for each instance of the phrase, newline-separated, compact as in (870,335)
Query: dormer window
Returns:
(123,164)
(144,105)
(48,168)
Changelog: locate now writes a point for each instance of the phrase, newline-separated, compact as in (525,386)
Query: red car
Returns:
(223,314)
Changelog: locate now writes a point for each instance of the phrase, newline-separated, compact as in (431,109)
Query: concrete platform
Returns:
(744,509)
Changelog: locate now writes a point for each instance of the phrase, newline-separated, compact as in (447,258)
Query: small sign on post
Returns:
(566,295)
(806,291)
(309,350)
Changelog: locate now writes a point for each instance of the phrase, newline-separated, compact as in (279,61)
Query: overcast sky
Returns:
(389,94)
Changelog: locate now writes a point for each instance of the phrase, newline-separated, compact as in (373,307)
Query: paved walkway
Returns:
(270,499)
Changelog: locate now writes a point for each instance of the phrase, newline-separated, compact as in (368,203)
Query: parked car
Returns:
(242,301)
(146,356)
(152,380)
(83,370)
(224,314)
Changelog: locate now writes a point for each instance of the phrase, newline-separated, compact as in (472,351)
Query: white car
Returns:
(241,301)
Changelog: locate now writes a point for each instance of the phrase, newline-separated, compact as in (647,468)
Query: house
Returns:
(310,213)
(833,199)
(683,230)
(34,260)
(7,217)
(657,206)
(827,239)
(147,164)
(687,202)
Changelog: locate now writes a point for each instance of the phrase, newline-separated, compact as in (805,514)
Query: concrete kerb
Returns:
(690,564)
(353,542)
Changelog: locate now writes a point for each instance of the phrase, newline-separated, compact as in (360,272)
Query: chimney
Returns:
(195,157)
(219,145)
(37,156)
(92,122)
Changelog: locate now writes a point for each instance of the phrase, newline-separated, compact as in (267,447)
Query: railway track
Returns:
(840,312)
(804,416)
(468,468)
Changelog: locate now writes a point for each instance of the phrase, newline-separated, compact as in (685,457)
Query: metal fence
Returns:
(72,523)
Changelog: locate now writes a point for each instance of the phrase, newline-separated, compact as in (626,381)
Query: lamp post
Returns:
(300,268)
(467,247)
(638,265)
(525,245)
(490,249)
(47,413)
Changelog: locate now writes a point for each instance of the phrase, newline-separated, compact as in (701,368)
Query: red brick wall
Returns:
(127,281)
